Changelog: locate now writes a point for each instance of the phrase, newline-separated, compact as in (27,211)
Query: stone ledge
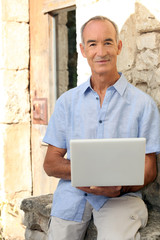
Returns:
(37,213)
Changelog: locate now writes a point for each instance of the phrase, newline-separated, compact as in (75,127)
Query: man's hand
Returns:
(103,191)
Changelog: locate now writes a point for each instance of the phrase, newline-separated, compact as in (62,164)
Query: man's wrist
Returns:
(122,192)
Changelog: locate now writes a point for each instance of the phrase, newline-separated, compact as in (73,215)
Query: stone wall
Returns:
(15,168)
(140,57)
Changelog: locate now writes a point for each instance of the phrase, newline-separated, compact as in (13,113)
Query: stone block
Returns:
(16,157)
(157,75)
(141,76)
(145,20)
(13,228)
(14,96)
(155,93)
(15,45)
(126,58)
(37,212)
(142,86)
(148,40)
(40,204)
(35,235)
(15,10)
(145,79)
(147,60)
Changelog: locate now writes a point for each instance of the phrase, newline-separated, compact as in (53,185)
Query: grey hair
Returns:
(99,18)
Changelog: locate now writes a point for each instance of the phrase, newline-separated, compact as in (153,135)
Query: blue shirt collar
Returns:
(120,85)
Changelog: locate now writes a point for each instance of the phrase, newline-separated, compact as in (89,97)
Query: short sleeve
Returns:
(149,127)
(56,134)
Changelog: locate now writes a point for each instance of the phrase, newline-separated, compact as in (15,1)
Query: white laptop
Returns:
(107,162)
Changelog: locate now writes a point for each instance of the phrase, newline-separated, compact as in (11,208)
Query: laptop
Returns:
(107,162)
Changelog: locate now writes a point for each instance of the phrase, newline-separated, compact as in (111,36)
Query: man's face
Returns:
(100,46)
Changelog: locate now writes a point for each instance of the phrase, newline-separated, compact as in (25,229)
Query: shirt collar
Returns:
(86,86)
(120,85)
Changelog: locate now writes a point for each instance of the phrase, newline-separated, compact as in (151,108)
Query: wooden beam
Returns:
(54,5)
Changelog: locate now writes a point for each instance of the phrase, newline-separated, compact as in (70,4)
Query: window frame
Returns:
(56,5)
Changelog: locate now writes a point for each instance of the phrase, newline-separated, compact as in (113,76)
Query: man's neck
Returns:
(100,83)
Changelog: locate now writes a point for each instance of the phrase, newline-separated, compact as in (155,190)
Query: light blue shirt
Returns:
(127,112)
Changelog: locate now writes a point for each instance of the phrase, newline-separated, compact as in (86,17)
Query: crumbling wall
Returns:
(140,56)
(15,167)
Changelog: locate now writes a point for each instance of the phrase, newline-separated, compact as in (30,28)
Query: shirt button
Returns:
(86,194)
(100,121)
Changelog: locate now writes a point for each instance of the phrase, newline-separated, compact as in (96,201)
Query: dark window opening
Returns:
(72,51)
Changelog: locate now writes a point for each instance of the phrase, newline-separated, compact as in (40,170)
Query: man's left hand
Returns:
(111,191)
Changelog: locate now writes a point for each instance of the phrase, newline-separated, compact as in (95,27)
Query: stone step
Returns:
(37,213)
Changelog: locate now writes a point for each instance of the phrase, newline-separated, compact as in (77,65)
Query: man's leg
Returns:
(121,218)
(60,229)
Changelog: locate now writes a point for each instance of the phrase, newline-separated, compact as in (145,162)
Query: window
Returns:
(64,50)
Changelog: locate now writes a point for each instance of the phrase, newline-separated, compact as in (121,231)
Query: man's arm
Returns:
(55,164)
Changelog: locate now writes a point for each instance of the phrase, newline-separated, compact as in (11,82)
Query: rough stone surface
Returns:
(152,231)
(37,212)
(34,235)
(157,76)
(148,40)
(140,56)
(147,60)
(15,51)
(17,176)
(36,208)
(15,10)
(129,46)
(15,173)
(14,96)
(145,20)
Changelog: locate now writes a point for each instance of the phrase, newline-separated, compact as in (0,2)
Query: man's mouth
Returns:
(102,60)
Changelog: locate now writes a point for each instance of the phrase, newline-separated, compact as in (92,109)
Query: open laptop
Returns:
(107,162)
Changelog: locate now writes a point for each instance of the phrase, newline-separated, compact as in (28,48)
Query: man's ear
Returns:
(119,47)
(82,49)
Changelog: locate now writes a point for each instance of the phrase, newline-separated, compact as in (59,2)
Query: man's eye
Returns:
(108,43)
(92,45)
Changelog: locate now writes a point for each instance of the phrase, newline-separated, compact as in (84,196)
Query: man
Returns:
(106,106)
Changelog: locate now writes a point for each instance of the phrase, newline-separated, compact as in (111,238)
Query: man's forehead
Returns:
(93,23)
(96,28)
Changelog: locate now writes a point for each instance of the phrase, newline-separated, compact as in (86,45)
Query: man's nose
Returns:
(101,50)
